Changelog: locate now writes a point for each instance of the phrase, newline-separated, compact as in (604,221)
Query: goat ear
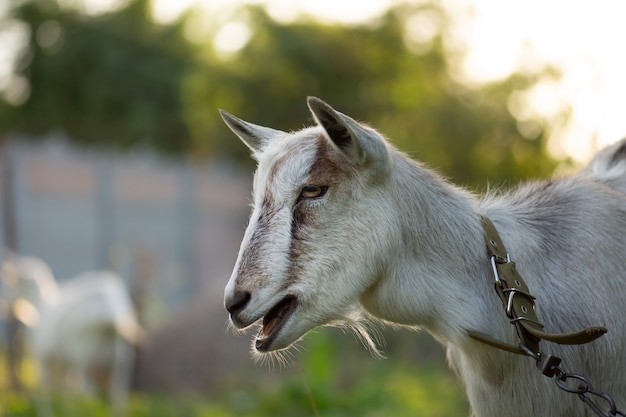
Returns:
(362,145)
(341,129)
(254,136)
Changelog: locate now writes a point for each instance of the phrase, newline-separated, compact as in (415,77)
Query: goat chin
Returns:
(358,231)
(365,330)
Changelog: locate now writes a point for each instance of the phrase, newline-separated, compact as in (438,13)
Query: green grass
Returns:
(323,381)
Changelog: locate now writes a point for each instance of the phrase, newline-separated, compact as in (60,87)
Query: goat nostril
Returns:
(237,302)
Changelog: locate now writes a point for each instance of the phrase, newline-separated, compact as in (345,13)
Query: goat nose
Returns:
(237,302)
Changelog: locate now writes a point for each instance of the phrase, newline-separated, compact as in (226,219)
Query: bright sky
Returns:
(586,42)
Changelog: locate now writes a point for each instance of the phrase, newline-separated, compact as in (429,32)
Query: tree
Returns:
(112,79)
(122,79)
(370,73)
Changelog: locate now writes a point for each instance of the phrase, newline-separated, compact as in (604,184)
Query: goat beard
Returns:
(365,328)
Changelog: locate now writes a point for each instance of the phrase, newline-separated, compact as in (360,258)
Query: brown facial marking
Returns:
(329,164)
(328,168)
(251,267)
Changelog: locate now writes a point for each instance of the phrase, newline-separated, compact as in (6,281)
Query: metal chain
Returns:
(549,366)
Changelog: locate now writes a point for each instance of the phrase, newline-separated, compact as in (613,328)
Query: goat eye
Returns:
(313,191)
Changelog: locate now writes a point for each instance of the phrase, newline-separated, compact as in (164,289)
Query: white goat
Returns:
(345,226)
(77,330)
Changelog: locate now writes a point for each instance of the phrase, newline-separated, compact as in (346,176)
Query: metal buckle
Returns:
(520,318)
(512,292)
(495,259)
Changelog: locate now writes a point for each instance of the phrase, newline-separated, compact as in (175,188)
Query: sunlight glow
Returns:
(231,37)
(421,29)
(345,11)
(585,43)
(14,36)
(93,7)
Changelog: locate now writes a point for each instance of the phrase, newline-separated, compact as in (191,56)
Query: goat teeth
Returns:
(274,319)
(268,327)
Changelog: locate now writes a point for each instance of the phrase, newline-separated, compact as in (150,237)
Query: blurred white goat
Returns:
(76,329)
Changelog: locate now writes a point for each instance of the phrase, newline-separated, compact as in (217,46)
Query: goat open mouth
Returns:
(274,321)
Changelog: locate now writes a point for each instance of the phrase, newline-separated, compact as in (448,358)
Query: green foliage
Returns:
(328,380)
(398,393)
(110,79)
(121,79)
(369,73)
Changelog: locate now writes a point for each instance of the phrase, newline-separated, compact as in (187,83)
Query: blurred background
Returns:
(113,156)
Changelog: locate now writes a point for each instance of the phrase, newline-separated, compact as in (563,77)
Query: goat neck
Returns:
(437,264)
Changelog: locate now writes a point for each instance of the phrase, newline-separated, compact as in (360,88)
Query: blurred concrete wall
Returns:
(171,227)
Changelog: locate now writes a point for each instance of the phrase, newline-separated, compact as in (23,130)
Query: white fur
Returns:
(84,325)
(393,240)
